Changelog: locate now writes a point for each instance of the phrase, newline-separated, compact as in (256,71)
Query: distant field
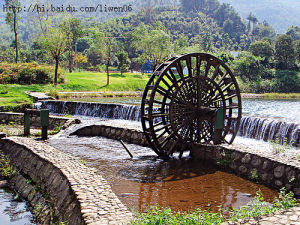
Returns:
(89,81)
(77,81)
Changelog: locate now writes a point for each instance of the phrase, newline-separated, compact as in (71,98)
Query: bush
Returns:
(284,81)
(53,93)
(288,81)
(266,86)
(254,209)
(28,73)
(6,168)
(248,67)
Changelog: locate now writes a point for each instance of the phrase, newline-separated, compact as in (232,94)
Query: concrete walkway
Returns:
(39,96)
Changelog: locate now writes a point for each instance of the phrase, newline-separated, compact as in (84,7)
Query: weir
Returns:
(108,111)
(266,130)
(250,127)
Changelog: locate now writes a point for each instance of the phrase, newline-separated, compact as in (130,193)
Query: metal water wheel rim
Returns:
(163,71)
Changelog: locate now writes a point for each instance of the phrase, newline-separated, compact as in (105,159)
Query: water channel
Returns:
(285,110)
(266,120)
(181,184)
(13,211)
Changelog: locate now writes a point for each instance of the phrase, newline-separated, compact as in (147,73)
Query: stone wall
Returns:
(132,136)
(42,210)
(18,118)
(78,195)
(262,169)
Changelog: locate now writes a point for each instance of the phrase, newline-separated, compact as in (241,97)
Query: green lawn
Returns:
(76,81)
(87,81)
(16,94)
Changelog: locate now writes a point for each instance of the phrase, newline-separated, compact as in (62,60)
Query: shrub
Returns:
(6,168)
(266,86)
(288,81)
(254,209)
(248,67)
(53,93)
(27,73)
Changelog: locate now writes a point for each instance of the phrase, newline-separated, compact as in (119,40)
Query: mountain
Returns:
(280,14)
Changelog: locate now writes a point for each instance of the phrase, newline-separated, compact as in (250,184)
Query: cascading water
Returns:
(101,110)
(266,130)
(250,127)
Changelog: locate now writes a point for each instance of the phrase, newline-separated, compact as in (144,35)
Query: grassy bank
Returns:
(281,95)
(13,95)
(89,81)
(255,209)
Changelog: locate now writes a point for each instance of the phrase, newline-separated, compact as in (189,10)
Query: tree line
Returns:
(154,34)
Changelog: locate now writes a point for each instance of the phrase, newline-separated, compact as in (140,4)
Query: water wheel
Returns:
(189,99)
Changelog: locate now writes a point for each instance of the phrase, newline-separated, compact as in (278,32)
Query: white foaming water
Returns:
(251,127)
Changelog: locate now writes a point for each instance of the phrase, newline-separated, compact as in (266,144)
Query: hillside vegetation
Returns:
(280,14)
(263,62)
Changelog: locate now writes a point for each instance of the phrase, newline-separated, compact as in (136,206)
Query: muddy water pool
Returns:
(181,184)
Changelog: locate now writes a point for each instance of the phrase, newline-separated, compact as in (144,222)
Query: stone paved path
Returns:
(285,217)
(99,205)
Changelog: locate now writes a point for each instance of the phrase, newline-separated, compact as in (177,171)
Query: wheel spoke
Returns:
(185,112)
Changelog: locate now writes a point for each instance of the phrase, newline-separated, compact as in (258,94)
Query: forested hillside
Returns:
(280,14)
(28,14)
(153,31)
(216,22)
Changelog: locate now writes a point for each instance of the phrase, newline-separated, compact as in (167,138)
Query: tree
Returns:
(284,51)
(155,44)
(12,19)
(249,18)
(297,49)
(124,61)
(248,67)
(294,32)
(262,49)
(73,30)
(228,26)
(244,42)
(94,56)
(149,13)
(106,44)
(181,43)
(80,59)
(54,41)
(205,39)
(6,54)
(261,31)
(192,5)
(142,59)
(254,20)
(226,42)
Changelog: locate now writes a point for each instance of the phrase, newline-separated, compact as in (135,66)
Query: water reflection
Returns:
(149,169)
(13,211)
(186,184)
(146,180)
